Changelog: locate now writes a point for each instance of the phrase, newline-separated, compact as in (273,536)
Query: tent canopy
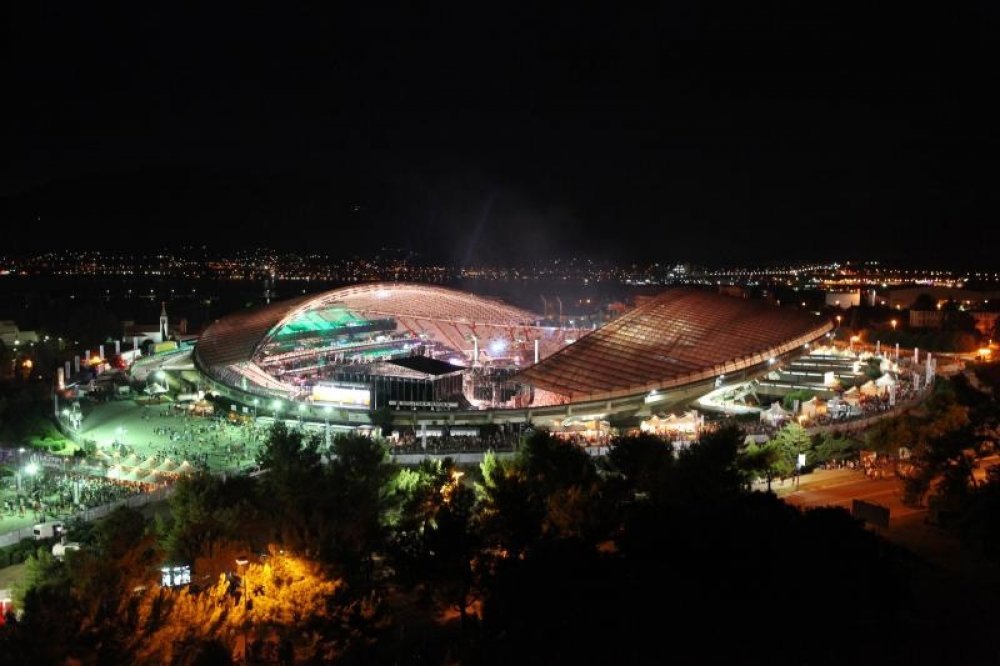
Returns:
(885,380)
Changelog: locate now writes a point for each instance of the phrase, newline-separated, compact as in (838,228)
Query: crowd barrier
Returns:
(156,495)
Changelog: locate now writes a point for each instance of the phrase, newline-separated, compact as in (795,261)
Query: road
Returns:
(840,487)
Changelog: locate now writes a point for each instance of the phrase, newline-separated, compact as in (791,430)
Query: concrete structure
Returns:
(843,299)
(300,355)
(161,331)
(904,298)
(10,333)
(926,318)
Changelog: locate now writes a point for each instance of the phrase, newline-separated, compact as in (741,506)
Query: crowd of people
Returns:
(410,441)
(57,493)
(206,442)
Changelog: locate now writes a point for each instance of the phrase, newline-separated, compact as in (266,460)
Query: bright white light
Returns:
(276,404)
(31,469)
(498,347)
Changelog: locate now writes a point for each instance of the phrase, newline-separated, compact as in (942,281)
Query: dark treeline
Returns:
(649,556)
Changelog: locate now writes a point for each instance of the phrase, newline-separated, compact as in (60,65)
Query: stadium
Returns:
(437,356)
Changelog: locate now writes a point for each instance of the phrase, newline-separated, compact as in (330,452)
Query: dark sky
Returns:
(725,132)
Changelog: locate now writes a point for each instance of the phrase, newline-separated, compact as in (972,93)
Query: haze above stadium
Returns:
(722,133)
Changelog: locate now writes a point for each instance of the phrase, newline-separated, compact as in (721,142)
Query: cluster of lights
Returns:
(198,263)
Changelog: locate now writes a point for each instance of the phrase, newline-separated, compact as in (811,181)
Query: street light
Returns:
(255,402)
(893,322)
(242,561)
(31,469)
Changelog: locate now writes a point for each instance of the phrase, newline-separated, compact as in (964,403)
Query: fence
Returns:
(854,425)
(157,495)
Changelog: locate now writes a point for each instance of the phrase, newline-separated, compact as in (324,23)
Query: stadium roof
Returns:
(680,337)
(237,337)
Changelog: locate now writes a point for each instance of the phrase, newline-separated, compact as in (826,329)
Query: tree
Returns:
(283,599)
(381,418)
(209,516)
(105,578)
(360,494)
(293,490)
(553,463)
(788,402)
(435,541)
(47,629)
(711,466)
(644,463)
(510,515)
(924,302)
(764,461)
(791,440)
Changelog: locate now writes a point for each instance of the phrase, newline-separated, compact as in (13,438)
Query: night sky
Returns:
(727,132)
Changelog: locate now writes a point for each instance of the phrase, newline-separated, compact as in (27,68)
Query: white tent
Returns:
(689,421)
(152,478)
(167,465)
(813,407)
(775,414)
(131,476)
(885,381)
(147,463)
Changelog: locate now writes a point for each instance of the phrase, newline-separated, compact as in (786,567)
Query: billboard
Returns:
(348,396)
(875,514)
(175,576)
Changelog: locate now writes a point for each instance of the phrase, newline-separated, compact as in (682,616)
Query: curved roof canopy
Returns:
(236,338)
(679,337)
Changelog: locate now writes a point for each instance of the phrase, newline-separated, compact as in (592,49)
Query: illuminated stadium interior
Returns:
(422,347)
(347,338)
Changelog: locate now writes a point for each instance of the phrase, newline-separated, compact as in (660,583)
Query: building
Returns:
(926,318)
(904,298)
(11,335)
(843,299)
(155,333)
(679,339)
(339,354)
(986,323)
